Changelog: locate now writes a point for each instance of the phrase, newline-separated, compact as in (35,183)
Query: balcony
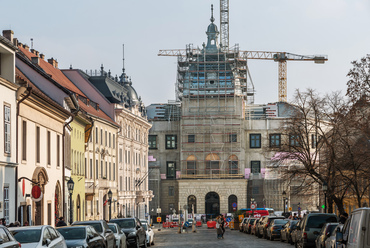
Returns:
(210,174)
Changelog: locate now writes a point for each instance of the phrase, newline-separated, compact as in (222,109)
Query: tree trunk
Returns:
(339,203)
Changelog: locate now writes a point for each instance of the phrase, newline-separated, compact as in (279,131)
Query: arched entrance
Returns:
(232,199)
(41,177)
(57,203)
(78,208)
(192,202)
(212,205)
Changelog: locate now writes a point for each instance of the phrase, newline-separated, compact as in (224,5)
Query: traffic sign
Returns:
(234,205)
(228,219)
(159,219)
(146,214)
(253,206)
(290,208)
(186,224)
(299,208)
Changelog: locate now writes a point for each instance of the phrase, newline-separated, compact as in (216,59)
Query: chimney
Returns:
(8,34)
(42,56)
(35,52)
(35,60)
(53,62)
(25,46)
(15,42)
(97,106)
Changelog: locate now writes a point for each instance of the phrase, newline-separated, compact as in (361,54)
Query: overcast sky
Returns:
(87,33)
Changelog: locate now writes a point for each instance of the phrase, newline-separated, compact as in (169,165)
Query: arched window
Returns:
(192,202)
(233,203)
(233,164)
(191,165)
(212,164)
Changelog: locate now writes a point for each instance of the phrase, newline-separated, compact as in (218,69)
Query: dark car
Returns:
(274,230)
(259,225)
(135,232)
(262,228)
(81,236)
(286,231)
(7,240)
(249,225)
(325,232)
(310,226)
(254,227)
(102,228)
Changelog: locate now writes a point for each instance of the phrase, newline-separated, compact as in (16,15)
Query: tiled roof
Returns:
(56,74)
(91,110)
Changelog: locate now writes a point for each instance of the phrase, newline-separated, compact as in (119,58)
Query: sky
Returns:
(88,33)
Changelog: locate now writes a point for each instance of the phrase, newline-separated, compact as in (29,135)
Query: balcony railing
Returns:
(210,174)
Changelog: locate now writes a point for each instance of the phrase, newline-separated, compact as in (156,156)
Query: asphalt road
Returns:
(207,238)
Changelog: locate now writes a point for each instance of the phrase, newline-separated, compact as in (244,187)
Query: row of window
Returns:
(254,140)
(106,139)
(105,171)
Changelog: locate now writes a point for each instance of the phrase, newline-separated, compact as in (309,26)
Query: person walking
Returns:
(343,217)
(218,227)
(222,225)
(61,222)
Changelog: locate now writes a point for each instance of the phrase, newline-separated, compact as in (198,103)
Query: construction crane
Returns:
(281,57)
(224,24)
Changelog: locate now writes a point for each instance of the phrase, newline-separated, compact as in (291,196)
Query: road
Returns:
(207,238)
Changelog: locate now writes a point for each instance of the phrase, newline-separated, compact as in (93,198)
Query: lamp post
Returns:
(324,189)
(284,199)
(110,203)
(70,185)
(252,201)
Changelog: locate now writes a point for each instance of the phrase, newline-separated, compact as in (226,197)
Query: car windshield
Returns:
(145,226)
(280,222)
(331,229)
(113,228)
(252,221)
(73,233)
(124,224)
(27,236)
(96,226)
(317,221)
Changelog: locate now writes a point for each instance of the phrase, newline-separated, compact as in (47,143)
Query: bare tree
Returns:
(359,79)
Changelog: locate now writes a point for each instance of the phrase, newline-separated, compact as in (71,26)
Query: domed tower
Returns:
(212,34)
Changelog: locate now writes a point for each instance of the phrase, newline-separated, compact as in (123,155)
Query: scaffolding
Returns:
(213,89)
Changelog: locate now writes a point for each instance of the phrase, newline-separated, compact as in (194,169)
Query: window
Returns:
(120,183)
(96,135)
(233,138)
(191,138)
(255,167)
(24,140)
(171,142)
(106,170)
(255,190)
(110,143)
(101,136)
(192,202)
(96,169)
(110,171)
(48,147)
(6,203)
(120,155)
(294,140)
(275,140)
(38,144)
(91,168)
(106,138)
(7,147)
(152,140)
(313,141)
(191,167)
(58,150)
(171,170)
(255,140)
(171,191)
(114,171)
(233,167)
(114,141)
(101,169)
(212,164)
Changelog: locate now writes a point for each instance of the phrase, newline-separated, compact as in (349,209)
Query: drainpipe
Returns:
(29,89)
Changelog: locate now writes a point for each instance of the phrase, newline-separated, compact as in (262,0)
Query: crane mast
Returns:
(224,24)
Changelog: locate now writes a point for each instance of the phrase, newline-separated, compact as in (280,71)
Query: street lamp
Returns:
(284,198)
(70,185)
(110,203)
(325,189)
(252,201)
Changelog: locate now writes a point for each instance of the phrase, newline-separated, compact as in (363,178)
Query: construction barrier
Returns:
(211,224)
(198,224)
(166,224)
(174,224)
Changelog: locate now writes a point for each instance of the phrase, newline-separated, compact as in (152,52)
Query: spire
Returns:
(212,18)
(123,56)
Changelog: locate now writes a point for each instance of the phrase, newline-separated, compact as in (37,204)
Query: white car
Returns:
(119,235)
(38,237)
(149,234)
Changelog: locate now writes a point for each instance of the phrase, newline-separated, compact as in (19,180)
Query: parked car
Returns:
(325,232)
(119,235)
(310,227)
(356,230)
(259,226)
(132,227)
(286,231)
(331,242)
(248,227)
(242,223)
(262,228)
(81,236)
(274,229)
(102,228)
(149,234)
(38,236)
(294,233)
(254,227)
(7,240)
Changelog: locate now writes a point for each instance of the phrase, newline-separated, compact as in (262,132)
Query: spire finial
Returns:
(123,51)
(212,18)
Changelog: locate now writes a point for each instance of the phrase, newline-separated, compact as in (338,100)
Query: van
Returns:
(310,227)
(356,230)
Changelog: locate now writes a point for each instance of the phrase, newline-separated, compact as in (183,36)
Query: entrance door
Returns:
(212,205)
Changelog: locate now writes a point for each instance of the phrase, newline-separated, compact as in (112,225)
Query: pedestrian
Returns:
(295,217)
(218,227)
(25,223)
(61,222)
(17,224)
(343,217)
(222,225)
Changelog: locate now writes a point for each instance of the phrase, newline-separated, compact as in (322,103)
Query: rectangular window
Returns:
(85,172)
(191,167)
(110,143)
(110,171)
(97,207)
(6,204)
(152,140)
(91,168)
(171,191)
(233,138)
(120,155)
(171,142)
(58,150)
(255,140)
(101,136)
(275,140)
(114,171)
(38,144)
(255,167)
(106,138)
(313,141)
(97,169)
(120,183)
(233,167)
(294,140)
(7,147)
(114,141)
(24,140)
(48,148)
(106,170)
(96,135)
(255,190)
(101,169)
(171,170)
(191,138)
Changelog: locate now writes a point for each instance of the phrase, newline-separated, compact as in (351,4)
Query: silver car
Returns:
(119,235)
(331,241)
(38,236)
